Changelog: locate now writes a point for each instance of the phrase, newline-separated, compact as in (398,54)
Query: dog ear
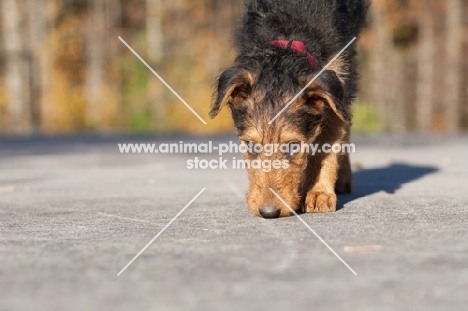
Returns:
(327,90)
(234,87)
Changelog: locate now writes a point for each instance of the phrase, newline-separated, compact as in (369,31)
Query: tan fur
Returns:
(247,79)
(323,169)
(320,172)
(341,68)
(344,184)
(285,182)
(310,182)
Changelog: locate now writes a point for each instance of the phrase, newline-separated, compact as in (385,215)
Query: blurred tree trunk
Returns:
(16,67)
(465,71)
(47,54)
(453,71)
(381,54)
(411,74)
(155,41)
(114,48)
(397,89)
(426,67)
(95,61)
(215,46)
(36,37)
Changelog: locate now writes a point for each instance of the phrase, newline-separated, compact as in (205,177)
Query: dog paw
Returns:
(320,202)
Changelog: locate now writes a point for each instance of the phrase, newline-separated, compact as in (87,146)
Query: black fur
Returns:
(325,26)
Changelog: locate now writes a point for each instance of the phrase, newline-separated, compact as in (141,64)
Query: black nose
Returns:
(269,212)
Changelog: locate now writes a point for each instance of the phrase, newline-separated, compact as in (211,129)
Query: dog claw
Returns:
(320,202)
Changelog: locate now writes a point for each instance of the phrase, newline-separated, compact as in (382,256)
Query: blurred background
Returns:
(64,71)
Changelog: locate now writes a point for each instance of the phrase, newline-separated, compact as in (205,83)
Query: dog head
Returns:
(257,95)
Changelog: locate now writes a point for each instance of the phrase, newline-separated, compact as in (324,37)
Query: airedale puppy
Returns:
(282,46)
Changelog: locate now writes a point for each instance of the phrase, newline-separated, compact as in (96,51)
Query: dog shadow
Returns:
(388,179)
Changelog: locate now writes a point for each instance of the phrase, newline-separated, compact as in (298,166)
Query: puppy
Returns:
(281,47)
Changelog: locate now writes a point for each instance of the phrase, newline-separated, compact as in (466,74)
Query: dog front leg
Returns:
(321,198)
(344,184)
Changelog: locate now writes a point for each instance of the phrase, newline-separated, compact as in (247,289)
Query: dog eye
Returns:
(250,147)
(293,149)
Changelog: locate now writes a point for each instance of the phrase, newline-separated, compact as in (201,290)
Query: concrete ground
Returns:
(74,212)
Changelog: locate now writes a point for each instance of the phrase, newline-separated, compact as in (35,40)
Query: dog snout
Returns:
(269,211)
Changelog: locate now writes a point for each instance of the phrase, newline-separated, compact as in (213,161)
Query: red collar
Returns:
(296,46)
